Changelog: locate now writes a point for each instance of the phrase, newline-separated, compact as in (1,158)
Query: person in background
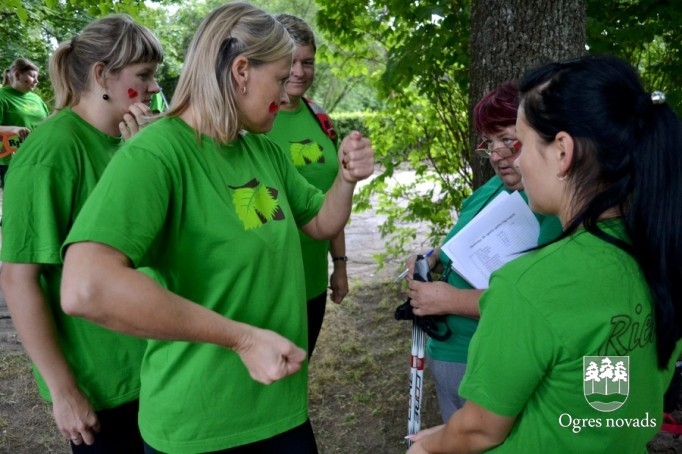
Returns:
(213,206)
(103,80)
(578,339)
(21,110)
(494,119)
(305,133)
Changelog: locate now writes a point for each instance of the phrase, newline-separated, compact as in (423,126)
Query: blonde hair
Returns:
(206,83)
(115,40)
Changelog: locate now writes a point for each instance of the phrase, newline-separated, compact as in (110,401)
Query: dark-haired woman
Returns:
(578,339)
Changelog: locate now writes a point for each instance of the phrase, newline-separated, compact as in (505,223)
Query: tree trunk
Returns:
(510,37)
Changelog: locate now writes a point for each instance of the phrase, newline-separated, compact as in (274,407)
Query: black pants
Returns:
(299,440)
(3,171)
(316,309)
(119,432)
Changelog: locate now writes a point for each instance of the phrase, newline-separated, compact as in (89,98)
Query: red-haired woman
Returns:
(495,121)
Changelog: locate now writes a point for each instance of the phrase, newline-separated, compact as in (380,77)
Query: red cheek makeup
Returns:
(132,93)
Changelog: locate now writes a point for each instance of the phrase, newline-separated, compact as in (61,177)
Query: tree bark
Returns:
(510,37)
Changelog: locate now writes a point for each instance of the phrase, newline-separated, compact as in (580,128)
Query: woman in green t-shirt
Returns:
(306,134)
(21,110)
(578,339)
(213,206)
(103,80)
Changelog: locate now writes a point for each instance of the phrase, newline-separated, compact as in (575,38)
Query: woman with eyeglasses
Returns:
(452,296)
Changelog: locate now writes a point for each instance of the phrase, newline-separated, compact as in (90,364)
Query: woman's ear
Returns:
(240,72)
(564,152)
(98,74)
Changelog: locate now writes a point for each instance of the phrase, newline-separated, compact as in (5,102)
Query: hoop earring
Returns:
(562,178)
(243,90)
(105,97)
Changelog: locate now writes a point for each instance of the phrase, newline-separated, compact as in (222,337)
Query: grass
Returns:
(359,375)
(25,419)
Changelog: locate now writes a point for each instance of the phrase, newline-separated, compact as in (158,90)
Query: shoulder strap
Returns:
(323,119)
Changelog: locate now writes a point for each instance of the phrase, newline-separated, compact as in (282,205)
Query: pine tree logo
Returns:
(256,204)
(606,384)
(306,152)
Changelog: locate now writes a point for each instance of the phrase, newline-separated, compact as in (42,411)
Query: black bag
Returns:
(433,325)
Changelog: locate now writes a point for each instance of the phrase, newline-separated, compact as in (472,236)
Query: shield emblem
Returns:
(606,383)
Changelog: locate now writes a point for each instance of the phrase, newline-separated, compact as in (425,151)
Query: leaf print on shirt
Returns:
(256,204)
(306,152)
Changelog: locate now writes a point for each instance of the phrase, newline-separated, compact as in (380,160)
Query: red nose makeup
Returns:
(273,107)
(132,93)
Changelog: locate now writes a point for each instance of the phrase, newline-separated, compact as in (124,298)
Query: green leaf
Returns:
(303,153)
(265,203)
(244,202)
(254,204)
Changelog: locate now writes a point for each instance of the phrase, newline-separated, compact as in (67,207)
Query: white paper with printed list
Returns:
(501,232)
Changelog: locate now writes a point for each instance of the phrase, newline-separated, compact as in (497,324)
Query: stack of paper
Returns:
(502,231)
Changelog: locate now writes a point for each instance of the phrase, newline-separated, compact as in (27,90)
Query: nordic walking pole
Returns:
(421,271)
(416,381)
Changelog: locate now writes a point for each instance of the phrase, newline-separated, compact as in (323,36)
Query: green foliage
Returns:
(345,122)
(414,137)
(22,9)
(418,55)
(646,33)
(32,30)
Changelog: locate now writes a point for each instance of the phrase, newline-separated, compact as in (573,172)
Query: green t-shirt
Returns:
(454,349)
(548,321)
(314,154)
(219,224)
(20,109)
(48,182)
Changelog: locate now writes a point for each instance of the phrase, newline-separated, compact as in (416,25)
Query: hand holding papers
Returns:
(499,233)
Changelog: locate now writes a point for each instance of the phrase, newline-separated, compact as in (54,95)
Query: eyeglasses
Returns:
(484,152)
